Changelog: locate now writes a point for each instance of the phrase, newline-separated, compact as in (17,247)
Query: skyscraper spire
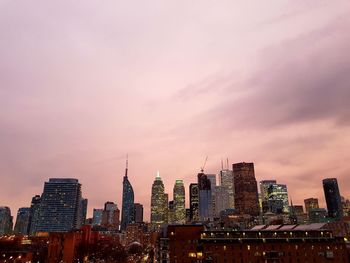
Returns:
(126,168)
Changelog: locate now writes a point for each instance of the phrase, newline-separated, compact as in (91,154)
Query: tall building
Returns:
(333,199)
(246,189)
(82,211)
(221,200)
(264,186)
(194,202)
(110,216)
(179,202)
(60,205)
(22,221)
(6,222)
(310,203)
(171,212)
(279,192)
(138,212)
(205,209)
(128,201)
(34,214)
(97,216)
(159,202)
(226,180)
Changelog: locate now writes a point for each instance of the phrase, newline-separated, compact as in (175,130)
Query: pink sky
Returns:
(83,83)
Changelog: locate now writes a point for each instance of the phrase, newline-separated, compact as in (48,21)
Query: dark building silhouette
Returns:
(194,202)
(22,221)
(127,201)
(246,189)
(138,212)
(6,222)
(59,209)
(205,209)
(333,198)
(34,213)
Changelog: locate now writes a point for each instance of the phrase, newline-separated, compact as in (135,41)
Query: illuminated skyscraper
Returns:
(246,189)
(279,193)
(220,202)
(60,205)
(179,202)
(194,202)
(159,202)
(127,202)
(226,180)
(333,198)
(264,186)
(22,221)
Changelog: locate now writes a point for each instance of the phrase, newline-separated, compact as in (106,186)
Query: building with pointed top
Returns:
(159,202)
(127,201)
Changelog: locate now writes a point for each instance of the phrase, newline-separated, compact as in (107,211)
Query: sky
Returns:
(83,83)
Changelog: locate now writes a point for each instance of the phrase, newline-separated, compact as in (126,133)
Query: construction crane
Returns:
(205,162)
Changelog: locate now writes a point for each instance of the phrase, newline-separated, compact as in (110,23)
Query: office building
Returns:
(59,209)
(279,192)
(34,214)
(333,198)
(226,180)
(22,221)
(138,212)
(127,201)
(220,200)
(97,216)
(246,189)
(179,202)
(264,186)
(6,222)
(194,202)
(110,216)
(159,203)
(310,203)
(205,209)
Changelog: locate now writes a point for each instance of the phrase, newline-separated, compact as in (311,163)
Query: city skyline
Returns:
(254,82)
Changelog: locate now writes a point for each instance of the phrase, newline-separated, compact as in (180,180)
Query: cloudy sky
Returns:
(83,83)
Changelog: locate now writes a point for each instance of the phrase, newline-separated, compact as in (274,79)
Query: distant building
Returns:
(6,222)
(226,180)
(333,199)
(97,216)
(34,214)
(159,203)
(82,211)
(310,203)
(221,200)
(279,192)
(264,187)
(345,206)
(205,210)
(22,221)
(317,215)
(246,189)
(60,206)
(194,202)
(110,216)
(138,212)
(179,202)
(171,212)
(127,201)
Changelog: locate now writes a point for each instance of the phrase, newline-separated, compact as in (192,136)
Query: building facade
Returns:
(194,202)
(226,180)
(138,212)
(60,205)
(159,203)
(310,203)
(179,202)
(333,198)
(127,202)
(246,190)
(205,209)
(22,221)
(6,222)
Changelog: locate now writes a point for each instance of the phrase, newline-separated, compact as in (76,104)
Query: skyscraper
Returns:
(60,205)
(246,189)
(82,211)
(205,209)
(6,222)
(97,216)
(22,221)
(179,202)
(311,203)
(138,212)
(226,180)
(110,216)
(221,200)
(279,192)
(194,202)
(264,186)
(34,214)
(333,198)
(159,202)
(128,201)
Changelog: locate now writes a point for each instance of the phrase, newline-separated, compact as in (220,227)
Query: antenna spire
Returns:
(127,164)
